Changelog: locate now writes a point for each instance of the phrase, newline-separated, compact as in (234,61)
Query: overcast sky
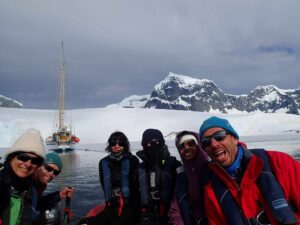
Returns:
(114,49)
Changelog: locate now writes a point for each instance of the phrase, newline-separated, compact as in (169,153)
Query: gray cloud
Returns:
(116,49)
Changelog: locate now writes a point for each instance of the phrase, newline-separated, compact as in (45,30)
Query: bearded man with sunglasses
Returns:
(248,186)
(188,208)
(18,197)
(50,169)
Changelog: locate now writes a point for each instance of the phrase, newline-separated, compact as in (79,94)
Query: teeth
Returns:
(187,154)
(219,153)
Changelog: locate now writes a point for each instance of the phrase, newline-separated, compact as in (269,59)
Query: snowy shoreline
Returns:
(96,124)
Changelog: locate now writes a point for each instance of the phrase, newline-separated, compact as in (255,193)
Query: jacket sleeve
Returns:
(174,214)
(287,172)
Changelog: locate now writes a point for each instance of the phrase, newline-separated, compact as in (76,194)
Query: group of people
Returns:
(217,181)
(24,176)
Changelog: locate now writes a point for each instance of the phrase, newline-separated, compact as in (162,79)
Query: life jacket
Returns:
(181,193)
(157,184)
(270,189)
(125,166)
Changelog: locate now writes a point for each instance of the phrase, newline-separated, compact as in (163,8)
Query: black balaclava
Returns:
(152,152)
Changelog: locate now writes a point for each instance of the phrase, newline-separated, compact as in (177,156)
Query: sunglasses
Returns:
(34,160)
(50,169)
(114,143)
(218,136)
(190,143)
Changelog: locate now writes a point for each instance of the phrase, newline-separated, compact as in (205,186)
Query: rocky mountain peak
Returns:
(181,92)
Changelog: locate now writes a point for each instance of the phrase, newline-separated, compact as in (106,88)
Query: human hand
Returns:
(67,191)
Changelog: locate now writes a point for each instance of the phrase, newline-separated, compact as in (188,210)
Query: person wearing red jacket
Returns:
(247,187)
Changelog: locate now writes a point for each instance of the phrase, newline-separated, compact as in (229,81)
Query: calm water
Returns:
(81,169)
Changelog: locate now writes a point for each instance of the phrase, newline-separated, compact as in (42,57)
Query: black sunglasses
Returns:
(218,136)
(190,143)
(114,143)
(50,169)
(34,160)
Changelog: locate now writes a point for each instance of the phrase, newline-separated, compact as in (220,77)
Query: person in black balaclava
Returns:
(119,180)
(157,176)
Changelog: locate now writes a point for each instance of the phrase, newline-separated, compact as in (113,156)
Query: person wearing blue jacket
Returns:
(119,180)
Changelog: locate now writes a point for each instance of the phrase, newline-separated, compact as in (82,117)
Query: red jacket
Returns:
(285,169)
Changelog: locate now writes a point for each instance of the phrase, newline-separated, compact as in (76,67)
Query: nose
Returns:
(28,163)
(52,174)
(214,143)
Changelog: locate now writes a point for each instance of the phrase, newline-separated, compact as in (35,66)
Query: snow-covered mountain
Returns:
(9,103)
(133,101)
(182,92)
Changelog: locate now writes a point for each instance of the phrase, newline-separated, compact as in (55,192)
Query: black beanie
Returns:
(151,134)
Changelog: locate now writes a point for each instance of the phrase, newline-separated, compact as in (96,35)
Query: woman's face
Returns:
(117,147)
(24,164)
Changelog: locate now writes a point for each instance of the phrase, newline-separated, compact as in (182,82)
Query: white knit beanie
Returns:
(30,141)
(187,137)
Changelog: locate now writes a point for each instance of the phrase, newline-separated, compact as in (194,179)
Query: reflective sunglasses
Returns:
(189,143)
(218,136)
(50,169)
(34,160)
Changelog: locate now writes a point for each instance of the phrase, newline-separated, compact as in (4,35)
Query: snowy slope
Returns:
(95,125)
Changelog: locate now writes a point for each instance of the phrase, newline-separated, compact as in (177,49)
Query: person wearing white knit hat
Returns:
(187,207)
(16,191)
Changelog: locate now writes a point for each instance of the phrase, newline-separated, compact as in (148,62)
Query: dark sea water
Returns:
(81,169)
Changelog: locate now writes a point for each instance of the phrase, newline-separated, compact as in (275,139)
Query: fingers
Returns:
(67,191)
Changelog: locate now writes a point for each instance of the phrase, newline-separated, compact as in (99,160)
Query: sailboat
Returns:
(63,138)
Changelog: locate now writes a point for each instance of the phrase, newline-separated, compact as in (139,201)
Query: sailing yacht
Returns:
(63,138)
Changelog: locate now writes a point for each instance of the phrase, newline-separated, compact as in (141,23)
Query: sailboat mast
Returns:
(61,90)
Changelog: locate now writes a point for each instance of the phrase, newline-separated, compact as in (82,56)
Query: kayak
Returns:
(96,210)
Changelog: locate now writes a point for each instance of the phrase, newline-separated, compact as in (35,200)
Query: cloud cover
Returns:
(114,49)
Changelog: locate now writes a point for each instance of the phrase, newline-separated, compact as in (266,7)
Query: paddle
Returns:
(67,211)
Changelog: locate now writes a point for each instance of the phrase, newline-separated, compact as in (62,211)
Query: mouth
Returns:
(25,169)
(187,154)
(220,155)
